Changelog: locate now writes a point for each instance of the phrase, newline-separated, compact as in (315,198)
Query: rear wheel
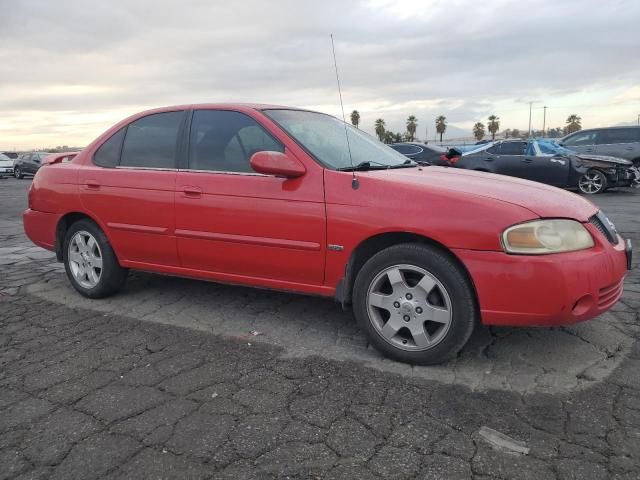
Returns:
(90,262)
(592,182)
(415,304)
(18,173)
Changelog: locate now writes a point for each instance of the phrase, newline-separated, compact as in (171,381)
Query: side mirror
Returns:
(278,164)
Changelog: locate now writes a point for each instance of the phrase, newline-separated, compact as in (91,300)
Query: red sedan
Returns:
(275,197)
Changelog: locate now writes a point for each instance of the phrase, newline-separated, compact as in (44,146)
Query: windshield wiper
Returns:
(368,165)
(373,165)
(407,164)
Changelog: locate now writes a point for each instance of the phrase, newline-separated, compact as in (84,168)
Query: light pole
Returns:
(544,121)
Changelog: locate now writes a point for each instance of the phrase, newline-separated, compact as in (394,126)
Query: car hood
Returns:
(543,200)
(604,159)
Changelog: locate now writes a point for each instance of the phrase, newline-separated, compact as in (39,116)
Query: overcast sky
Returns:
(70,69)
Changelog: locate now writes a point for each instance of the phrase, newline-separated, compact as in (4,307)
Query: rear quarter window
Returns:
(108,155)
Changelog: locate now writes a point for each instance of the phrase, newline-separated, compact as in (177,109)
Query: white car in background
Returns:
(6,166)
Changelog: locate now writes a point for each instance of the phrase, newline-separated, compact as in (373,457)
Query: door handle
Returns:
(489,159)
(92,184)
(526,160)
(628,148)
(192,192)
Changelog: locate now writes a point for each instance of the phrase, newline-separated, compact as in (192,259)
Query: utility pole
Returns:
(544,121)
(530,108)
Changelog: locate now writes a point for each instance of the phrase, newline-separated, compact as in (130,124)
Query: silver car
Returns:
(6,165)
(621,142)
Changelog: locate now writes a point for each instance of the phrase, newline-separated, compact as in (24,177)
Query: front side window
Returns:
(580,139)
(224,141)
(152,141)
(323,136)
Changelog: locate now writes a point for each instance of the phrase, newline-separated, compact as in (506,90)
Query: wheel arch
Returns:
(66,221)
(374,244)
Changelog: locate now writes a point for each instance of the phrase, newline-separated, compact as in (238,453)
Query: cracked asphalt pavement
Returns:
(166,380)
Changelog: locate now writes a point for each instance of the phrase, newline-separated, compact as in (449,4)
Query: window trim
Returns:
(187,141)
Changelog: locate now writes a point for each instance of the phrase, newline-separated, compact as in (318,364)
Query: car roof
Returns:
(231,106)
(617,127)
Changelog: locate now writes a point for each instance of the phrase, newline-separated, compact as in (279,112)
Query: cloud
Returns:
(460,58)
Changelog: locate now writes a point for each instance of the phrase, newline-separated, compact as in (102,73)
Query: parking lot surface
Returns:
(177,378)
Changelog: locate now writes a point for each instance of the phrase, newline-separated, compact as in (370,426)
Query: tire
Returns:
(18,173)
(85,247)
(592,182)
(398,314)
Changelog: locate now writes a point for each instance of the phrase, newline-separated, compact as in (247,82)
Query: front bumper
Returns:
(547,290)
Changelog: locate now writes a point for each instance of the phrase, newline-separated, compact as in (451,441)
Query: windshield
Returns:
(549,147)
(323,136)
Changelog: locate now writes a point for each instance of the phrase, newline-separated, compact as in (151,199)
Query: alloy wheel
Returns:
(409,307)
(85,259)
(591,182)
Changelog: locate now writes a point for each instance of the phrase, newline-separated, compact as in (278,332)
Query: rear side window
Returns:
(618,135)
(108,155)
(152,141)
(513,148)
(224,141)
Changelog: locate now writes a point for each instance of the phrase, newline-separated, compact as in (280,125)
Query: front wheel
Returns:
(592,182)
(18,173)
(90,262)
(415,304)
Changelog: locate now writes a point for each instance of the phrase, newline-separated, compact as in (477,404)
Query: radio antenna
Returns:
(354,181)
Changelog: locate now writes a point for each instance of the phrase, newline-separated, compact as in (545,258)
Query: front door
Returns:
(233,221)
(582,142)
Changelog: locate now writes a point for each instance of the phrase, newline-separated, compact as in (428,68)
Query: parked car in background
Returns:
(622,142)
(547,162)
(6,166)
(11,155)
(274,197)
(28,163)
(421,152)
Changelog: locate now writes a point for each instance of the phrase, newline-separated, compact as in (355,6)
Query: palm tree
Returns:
(494,126)
(441,125)
(355,118)
(478,130)
(380,130)
(574,123)
(412,124)
(389,137)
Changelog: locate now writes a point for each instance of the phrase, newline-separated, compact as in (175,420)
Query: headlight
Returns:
(546,236)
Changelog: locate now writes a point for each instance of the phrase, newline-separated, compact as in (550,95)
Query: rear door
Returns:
(237,223)
(130,188)
(509,159)
(619,142)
